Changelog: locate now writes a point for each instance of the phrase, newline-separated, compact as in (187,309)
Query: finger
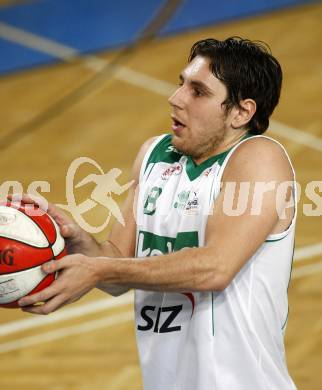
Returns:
(66,224)
(58,214)
(29,199)
(69,230)
(41,296)
(33,205)
(55,265)
(50,208)
(53,289)
(46,308)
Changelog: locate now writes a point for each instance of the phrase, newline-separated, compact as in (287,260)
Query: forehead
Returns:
(199,67)
(199,70)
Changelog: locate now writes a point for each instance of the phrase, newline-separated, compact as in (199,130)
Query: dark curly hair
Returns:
(248,70)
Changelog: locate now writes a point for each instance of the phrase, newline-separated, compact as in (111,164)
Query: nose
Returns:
(177,98)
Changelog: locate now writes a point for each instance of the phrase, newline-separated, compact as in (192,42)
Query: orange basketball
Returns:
(26,242)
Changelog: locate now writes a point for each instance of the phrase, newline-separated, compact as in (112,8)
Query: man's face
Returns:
(200,121)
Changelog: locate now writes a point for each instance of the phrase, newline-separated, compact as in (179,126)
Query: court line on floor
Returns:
(126,299)
(110,320)
(67,53)
(305,252)
(163,88)
(152,84)
(166,89)
(155,85)
(66,314)
(122,379)
(37,42)
(307,270)
(61,333)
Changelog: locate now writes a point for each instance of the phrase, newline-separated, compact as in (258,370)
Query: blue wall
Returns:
(92,25)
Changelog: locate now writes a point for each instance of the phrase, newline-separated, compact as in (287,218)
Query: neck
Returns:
(228,142)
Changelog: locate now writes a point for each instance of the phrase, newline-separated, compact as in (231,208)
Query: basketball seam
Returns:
(26,243)
(16,301)
(25,269)
(58,254)
(6,281)
(25,215)
(42,230)
(55,228)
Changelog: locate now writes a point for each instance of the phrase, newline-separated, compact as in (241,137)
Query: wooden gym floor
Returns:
(92,343)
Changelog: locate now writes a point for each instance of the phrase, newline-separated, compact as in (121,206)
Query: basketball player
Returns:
(210,279)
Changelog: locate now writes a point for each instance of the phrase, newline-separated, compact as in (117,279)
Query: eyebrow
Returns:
(197,84)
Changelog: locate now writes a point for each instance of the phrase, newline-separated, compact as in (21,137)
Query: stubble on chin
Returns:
(179,146)
(197,150)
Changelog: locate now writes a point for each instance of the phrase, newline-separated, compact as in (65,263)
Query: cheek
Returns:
(206,122)
(214,118)
(205,118)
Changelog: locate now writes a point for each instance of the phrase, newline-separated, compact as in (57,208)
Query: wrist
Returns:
(110,271)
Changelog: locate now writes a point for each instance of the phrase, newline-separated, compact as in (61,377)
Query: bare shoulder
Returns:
(140,156)
(260,147)
(145,146)
(259,158)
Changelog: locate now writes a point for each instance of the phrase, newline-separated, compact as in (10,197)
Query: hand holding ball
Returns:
(26,242)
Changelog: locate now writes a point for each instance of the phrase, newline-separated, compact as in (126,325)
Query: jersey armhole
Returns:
(275,236)
(153,145)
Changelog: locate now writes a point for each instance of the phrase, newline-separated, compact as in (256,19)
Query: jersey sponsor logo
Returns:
(187,201)
(150,244)
(151,319)
(183,197)
(171,149)
(207,172)
(150,204)
(191,298)
(174,169)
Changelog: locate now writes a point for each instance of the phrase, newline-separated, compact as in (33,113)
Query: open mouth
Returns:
(177,126)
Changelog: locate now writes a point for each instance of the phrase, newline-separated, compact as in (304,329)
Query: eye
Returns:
(197,92)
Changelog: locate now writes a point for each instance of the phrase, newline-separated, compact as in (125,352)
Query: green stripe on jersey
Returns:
(194,170)
(150,244)
(164,151)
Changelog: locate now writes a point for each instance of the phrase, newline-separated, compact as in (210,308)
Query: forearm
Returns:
(108,249)
(88,246)
(193,269)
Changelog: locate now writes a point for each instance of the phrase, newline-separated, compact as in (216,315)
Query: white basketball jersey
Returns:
(228,340)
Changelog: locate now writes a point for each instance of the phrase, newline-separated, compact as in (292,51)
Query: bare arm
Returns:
(121,240)
(230,242)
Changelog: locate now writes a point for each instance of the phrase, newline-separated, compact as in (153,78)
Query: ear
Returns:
(243,113)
